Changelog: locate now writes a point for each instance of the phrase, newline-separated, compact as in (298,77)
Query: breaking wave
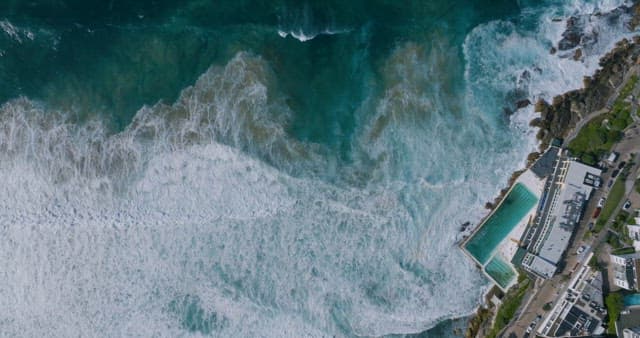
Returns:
(206,217)
(174,226)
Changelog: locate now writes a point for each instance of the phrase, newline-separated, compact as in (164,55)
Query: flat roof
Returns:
(565,215)
(628,319)
(542,267)
(545,164)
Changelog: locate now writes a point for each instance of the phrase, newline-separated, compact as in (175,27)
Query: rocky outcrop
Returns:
(572,35)
(561,115)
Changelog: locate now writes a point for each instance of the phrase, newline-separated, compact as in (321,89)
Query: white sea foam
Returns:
(303,36)
(15,33)
(107,233)
(208,207)
(302,25)
(502,56)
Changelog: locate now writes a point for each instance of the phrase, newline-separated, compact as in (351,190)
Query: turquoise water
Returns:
(496,228)
(631,300)
(500,271)
(263,168)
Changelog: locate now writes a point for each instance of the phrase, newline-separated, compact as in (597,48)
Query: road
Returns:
(584,120)
(548,291)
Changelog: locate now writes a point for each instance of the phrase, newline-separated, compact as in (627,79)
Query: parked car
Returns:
(622,164)
(626,205)
(601,202)
(580,249)
(596,213)
(610,183)
(615,173)
(590,225)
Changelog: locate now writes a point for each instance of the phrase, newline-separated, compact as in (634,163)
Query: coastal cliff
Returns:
(565,111)
(563,114)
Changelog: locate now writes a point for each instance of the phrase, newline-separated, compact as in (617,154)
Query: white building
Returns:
(571,187)
(634,233)
(626,270)
(633,332)
(628,324)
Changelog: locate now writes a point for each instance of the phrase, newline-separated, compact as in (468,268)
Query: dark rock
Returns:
(523,103)
(536,122)
(541,106)
(577,55)
(489,206)
(532,157)
(507,111)
(553,50)
(572,35)
(557,118)
(569,40)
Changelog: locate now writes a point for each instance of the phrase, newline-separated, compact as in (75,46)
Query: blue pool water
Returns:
(632,300)
(515,206)
(500,271)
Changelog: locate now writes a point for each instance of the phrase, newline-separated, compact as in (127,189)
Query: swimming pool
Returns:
(515,206)
(631,300)
(500,271)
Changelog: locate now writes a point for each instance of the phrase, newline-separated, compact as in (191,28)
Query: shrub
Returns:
(614,307)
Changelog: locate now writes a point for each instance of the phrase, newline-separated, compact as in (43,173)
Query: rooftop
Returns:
(571,187)
(545,164)
(628,319)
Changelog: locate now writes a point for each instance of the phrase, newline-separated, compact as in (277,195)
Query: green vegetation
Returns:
(599,135)
(624,251)
(593,263)
(507,310)
(546,306)
(638,181)
(614,307)
(613,240)
(615,195)
(599,225)
(620,222)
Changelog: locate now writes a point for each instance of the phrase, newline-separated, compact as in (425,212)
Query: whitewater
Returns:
(205,216)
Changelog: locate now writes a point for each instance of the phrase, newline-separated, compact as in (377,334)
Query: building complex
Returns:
(626,269)
(532,227)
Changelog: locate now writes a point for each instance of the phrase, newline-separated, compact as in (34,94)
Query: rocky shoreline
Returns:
(559,117)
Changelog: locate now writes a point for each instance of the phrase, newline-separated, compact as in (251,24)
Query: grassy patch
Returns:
(507,310)
(599,135)
(599,225)
(614,307)
(613,240)
(624,251)
(620,222)
(615,195)
(593,263)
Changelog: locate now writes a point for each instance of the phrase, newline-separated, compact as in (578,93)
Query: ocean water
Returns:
(263,168)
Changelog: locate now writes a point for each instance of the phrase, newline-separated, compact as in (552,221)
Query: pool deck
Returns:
(509,245)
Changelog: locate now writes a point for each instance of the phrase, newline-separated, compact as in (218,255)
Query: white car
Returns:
(626,205)
(580,250)
(601,202)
